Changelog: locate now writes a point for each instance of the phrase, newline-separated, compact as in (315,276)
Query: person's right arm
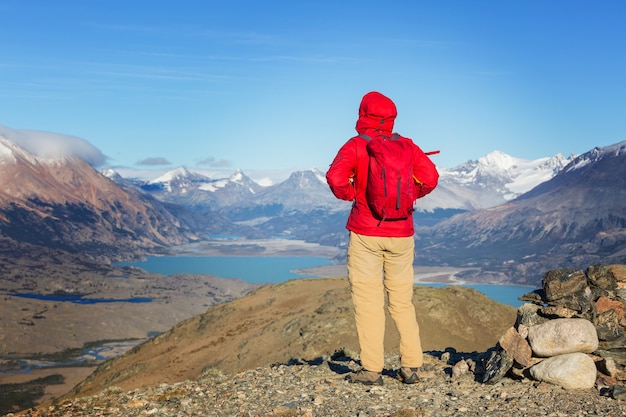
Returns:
(341,172)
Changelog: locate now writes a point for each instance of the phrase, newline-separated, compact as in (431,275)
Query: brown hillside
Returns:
(303,318)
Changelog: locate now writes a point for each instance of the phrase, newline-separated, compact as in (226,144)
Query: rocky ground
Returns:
(318,388)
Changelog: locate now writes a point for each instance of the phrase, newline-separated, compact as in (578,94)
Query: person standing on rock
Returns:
(380,250)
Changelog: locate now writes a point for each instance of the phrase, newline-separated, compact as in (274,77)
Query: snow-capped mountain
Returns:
(178,181)
(186,187)
(52,146)
(596,154)
(486,182)
(303,190)
(284,209)
(491,180)
(235,189)
(577,218)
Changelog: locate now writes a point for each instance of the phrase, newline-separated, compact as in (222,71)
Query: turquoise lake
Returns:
(257,269)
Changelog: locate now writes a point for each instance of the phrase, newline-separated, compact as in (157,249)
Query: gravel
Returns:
(318,388)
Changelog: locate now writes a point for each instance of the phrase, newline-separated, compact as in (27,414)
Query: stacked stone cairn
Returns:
(571,333)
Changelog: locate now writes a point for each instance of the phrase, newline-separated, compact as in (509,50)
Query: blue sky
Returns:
(275,85)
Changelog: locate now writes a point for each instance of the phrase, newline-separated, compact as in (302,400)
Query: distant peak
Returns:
(110,173)
(237,176)
(181,171)
(9,150)
(498,159)
(597,154)
(177,173)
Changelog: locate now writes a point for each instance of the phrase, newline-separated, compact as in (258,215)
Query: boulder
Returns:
(536,297)
(570,371)
(619,272)
(495,366)
(580,302)
(602,276)
(606,303)
(528,315)
(607,366)
(557,311)
(460,368)
(612,344)
(560,283)
(561,336)
(617,354)
(516,346)
(608,327)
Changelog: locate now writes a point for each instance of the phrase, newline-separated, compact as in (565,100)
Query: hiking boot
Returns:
(409,375)
(366,377)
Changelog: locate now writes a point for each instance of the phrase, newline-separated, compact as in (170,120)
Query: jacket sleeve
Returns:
(341,173)
(424,173)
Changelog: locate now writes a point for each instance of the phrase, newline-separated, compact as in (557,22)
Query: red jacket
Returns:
(347,175)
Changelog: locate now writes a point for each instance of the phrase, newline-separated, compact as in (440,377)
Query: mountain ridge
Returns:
(576,218)
(64,202)
(490,180)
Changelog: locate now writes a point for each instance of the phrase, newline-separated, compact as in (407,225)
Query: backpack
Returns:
(390,190)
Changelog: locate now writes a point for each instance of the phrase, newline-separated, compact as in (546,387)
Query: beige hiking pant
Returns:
(377,265)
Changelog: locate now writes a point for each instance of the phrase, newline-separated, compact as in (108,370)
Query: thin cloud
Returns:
(53,145)
(182,32)
(153,73)
(214,163)
(142,29)
(156,161)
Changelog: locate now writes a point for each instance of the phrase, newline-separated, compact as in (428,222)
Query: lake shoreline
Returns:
(422,274)
(239,247)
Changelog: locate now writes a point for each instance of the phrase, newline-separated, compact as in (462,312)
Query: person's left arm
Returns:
(424,173)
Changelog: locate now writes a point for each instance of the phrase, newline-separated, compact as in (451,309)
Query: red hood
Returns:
(376,112)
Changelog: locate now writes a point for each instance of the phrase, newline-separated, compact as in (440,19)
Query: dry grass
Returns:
(303,318)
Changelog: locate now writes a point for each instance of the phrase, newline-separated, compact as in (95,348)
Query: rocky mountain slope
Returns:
(64,203)
(577,218)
